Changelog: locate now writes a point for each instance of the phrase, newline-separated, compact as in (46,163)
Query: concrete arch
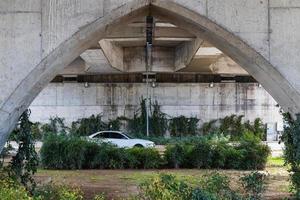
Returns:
(66,52)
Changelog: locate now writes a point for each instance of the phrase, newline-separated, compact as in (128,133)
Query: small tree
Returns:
(25,163)
(291,139)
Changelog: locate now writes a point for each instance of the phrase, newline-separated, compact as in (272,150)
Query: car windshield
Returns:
(129,136)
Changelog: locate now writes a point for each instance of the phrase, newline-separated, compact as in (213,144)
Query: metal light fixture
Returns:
(86,85)
(259,85)
(211,85)
(153,84)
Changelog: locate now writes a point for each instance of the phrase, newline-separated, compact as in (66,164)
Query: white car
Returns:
(121,139)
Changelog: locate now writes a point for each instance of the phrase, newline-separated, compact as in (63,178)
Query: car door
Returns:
(102,137)
(118,139)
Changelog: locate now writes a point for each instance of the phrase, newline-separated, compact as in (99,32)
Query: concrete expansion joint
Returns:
(1,110)
(18,12)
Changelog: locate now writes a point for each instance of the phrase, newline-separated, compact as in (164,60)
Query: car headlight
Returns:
(150,144)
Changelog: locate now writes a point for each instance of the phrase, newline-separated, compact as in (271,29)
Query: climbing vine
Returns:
(24,164)
(291,139)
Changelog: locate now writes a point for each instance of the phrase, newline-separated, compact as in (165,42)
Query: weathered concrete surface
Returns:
(73,101)
(114,54)
(185,52)
(40,37)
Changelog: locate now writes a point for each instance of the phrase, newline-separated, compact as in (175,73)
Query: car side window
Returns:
(102,135)
(116,135)
(105,135)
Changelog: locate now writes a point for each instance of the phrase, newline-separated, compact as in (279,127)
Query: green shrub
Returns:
(60,152)
(291,139)
(74,153)
(175,155)
(99,197)
(167,187)
(199,194)
(144,158)
(11,190)
(58,192)
(234,158)
(110,157)
(218,153)
(52,152)
(254,154)
(202,155)
(219,156)
(254,185)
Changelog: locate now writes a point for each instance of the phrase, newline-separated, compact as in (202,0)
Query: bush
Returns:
(291,139)
(219,185)
(60,152)
(11,190)
(144,158)
(110,157)
(99,197)
(167,187)
(52,152)
(175,156)
(218,153)
(254,185)
(254,154)
(58,192)
(234,158)
(202,154)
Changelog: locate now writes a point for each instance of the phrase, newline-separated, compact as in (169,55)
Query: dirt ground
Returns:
(118,184)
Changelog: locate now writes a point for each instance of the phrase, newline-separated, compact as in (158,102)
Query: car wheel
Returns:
(139,146)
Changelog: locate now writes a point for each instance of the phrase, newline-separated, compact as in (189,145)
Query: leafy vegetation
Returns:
(214,186)
(24,164)
(254,184)
(183,126)
(247,154)
(234,127)
(10,190)
(180,127)
(291,139)
(88,126)
(158,120)
(61,152)
(58,192)
(55,125)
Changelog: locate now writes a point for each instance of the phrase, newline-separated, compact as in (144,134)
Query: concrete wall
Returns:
(72,100)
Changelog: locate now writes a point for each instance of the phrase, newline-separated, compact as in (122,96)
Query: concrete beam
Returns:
(137,32)
(225,65)
(114,54)
(185,52)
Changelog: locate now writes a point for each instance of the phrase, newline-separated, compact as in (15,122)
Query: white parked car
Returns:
(121,139)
